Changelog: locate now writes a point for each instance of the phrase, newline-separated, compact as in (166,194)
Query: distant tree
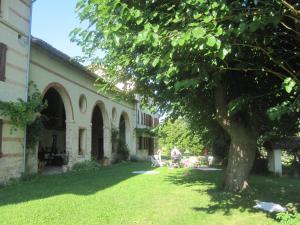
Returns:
(178,133)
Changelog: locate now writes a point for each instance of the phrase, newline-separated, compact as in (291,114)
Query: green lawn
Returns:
(113,195)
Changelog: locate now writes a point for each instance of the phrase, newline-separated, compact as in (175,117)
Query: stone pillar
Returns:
(32,160)
(88,154)
(107,142)
(274,161)
(133,142)
(71,142)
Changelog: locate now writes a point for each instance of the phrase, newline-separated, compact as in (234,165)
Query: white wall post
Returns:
(274,161)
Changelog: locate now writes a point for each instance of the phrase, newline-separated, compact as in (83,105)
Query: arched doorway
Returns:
(97,152)
(122,129)
(52,147)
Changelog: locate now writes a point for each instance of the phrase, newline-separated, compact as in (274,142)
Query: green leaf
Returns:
(254,26)
(184,84)
(181,41)
(117,40)
(208,19)
(155,62)
(219,30)
(139,21)
(215,5)
(211,41)
(197,16)
(238,104)
(198,32)
(223,53)
(174,42)
(218,43)
(288,84)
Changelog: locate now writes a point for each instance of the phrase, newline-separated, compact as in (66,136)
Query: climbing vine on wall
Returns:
(26,114)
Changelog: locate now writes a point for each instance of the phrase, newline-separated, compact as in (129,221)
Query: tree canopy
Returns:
(224,63)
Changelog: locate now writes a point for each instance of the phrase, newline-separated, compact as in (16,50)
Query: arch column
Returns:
(89,142)
(107,142)
(71,142)
(133,139)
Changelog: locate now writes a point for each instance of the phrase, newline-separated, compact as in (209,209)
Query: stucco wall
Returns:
(14,30)
(48,71)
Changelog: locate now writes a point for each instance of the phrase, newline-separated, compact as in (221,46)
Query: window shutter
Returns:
(3,49)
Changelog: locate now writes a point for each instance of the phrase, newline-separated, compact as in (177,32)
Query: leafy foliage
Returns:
(148,131)
(86,165)
(288,218)
(178,133)
(122,151)
(34,132)
(22,113)
(184,54)
(26,114)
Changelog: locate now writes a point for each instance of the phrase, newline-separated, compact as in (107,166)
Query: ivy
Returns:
(147,131)
(26,115)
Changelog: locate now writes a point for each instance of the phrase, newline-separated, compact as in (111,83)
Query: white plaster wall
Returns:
(14,30)
(46,70)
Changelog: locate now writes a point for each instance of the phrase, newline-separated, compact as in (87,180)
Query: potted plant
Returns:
(65,166)
(114,138)
(105,161)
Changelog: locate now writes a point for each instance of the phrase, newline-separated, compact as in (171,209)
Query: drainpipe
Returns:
(27,81)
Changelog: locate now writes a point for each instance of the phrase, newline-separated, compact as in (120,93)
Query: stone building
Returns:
(80,120)
(15,23)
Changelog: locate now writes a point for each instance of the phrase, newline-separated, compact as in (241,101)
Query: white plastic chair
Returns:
(155,162)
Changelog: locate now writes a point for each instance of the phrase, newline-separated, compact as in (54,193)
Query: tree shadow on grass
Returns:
(262,188)
(78,183)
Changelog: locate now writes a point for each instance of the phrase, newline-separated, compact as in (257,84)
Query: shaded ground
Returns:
(113,195)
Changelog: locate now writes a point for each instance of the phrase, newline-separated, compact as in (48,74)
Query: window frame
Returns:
(81,141)
(3,53)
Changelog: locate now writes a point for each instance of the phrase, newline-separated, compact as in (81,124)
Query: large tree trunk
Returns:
(242,147)
(240,159)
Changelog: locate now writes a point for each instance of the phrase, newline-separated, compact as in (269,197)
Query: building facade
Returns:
(146,141)
(80,120)
(15,16)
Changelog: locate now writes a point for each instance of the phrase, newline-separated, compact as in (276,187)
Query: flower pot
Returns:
(65,168)
(105,162)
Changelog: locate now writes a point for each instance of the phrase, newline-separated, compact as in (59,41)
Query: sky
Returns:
(53,20)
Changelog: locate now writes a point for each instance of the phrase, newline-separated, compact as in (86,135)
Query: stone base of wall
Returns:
(142,154)
(32,161)
(10,168)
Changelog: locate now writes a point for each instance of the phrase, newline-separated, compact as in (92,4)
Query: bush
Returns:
(134,158)
(86,165)
(122,152)
(288,218)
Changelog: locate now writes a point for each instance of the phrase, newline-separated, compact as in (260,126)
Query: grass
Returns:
(113,195)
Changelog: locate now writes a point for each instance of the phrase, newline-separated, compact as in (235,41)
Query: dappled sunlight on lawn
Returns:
(114,195)
(279,190)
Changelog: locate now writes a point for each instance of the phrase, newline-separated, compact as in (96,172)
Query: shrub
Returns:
(86,165)
(122,151)
(287,218)
(134,158)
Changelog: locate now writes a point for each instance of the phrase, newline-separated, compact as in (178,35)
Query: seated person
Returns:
(176,155)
